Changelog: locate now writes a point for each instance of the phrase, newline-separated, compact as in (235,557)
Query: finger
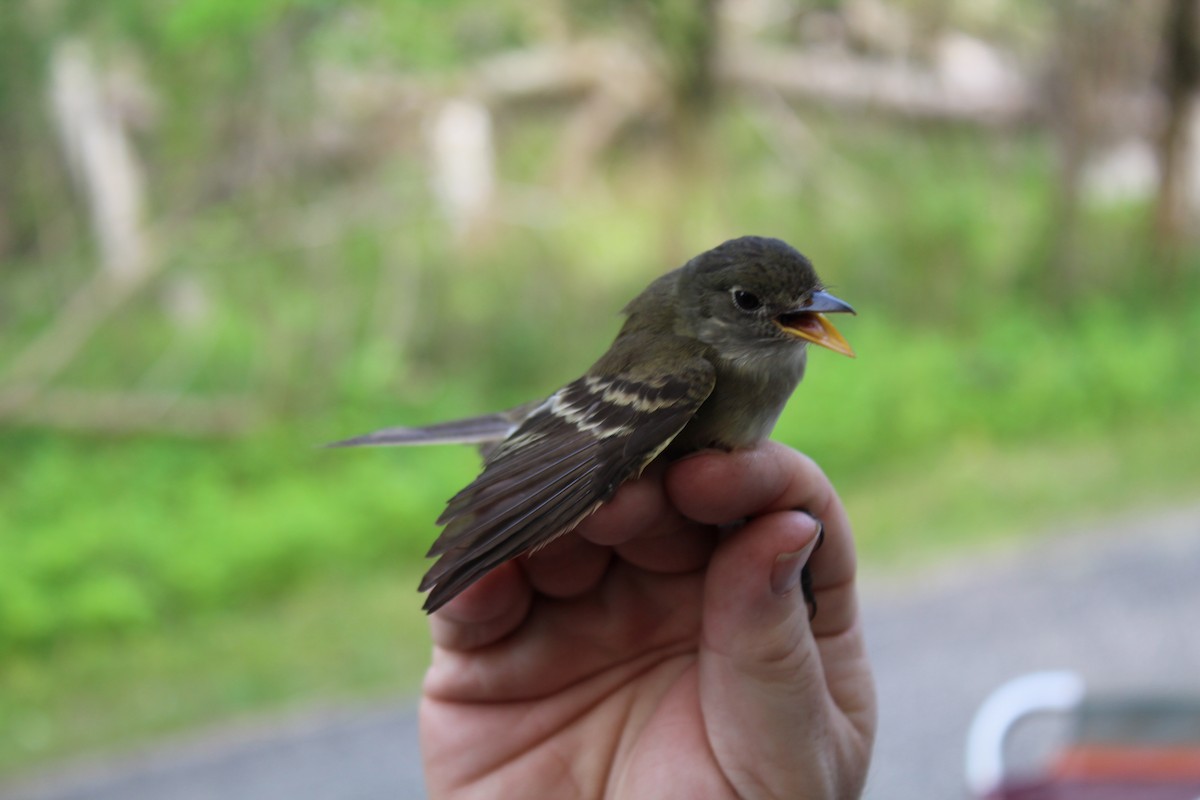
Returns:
(493,607)
(567,567)
(486,611)
(719,488)
(604,639)
(684,546)
(640,507)
(763,685)
(646,530)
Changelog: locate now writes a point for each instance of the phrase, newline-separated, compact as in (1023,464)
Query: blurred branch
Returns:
(618,84)
(74,324)
(129,412)
(541,73)
(106,171)
(1097,96)
(102,161)
(24,398)
(885,86)
(463,165)
(616,81)
(1181,68)
(104,167)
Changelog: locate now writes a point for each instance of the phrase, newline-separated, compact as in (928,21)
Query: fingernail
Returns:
(785,574)
(787,569)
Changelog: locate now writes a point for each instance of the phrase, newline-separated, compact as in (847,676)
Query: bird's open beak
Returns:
(809,322)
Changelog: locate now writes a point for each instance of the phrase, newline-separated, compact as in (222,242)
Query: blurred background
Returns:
(231,230)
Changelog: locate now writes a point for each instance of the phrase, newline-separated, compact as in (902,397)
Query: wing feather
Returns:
(470,565)
(492,509)
(505,475)
(546,506)
(566,459)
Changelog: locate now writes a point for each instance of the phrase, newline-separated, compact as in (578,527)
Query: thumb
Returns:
(762,684)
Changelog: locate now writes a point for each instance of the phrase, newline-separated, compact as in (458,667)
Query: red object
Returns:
(1179,763)
(1134,747)
(1096,790)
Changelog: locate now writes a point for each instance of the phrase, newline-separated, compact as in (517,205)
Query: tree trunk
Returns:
(1181,75)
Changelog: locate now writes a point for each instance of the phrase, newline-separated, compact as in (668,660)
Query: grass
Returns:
(337,639)
(978,492)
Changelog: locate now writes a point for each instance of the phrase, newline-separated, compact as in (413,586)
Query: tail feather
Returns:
(476,430)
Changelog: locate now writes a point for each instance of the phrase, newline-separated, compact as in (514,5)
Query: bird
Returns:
(707,357)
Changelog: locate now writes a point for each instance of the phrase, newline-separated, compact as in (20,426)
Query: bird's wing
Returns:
(475,430)
(569,456)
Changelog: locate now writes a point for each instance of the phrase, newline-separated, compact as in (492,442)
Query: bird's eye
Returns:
(746,301)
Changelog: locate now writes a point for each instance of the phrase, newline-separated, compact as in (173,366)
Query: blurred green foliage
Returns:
(335,299)
(108,535)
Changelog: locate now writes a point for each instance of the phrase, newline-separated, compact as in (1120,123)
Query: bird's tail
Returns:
(483,431)
(476,430)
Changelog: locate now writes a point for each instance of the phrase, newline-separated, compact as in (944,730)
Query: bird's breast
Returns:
(743,407)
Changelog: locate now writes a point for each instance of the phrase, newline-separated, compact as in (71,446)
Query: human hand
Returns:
(656,652)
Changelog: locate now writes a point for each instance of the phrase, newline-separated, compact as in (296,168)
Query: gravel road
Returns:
(1117,602)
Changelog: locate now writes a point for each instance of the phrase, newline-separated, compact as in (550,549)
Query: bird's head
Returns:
(754,295)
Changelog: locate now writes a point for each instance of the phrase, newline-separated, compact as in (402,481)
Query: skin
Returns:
(661,650)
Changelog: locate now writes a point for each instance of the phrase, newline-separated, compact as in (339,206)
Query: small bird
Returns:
(707,358)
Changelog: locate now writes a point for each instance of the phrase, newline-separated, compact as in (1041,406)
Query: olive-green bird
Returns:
(707,357)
